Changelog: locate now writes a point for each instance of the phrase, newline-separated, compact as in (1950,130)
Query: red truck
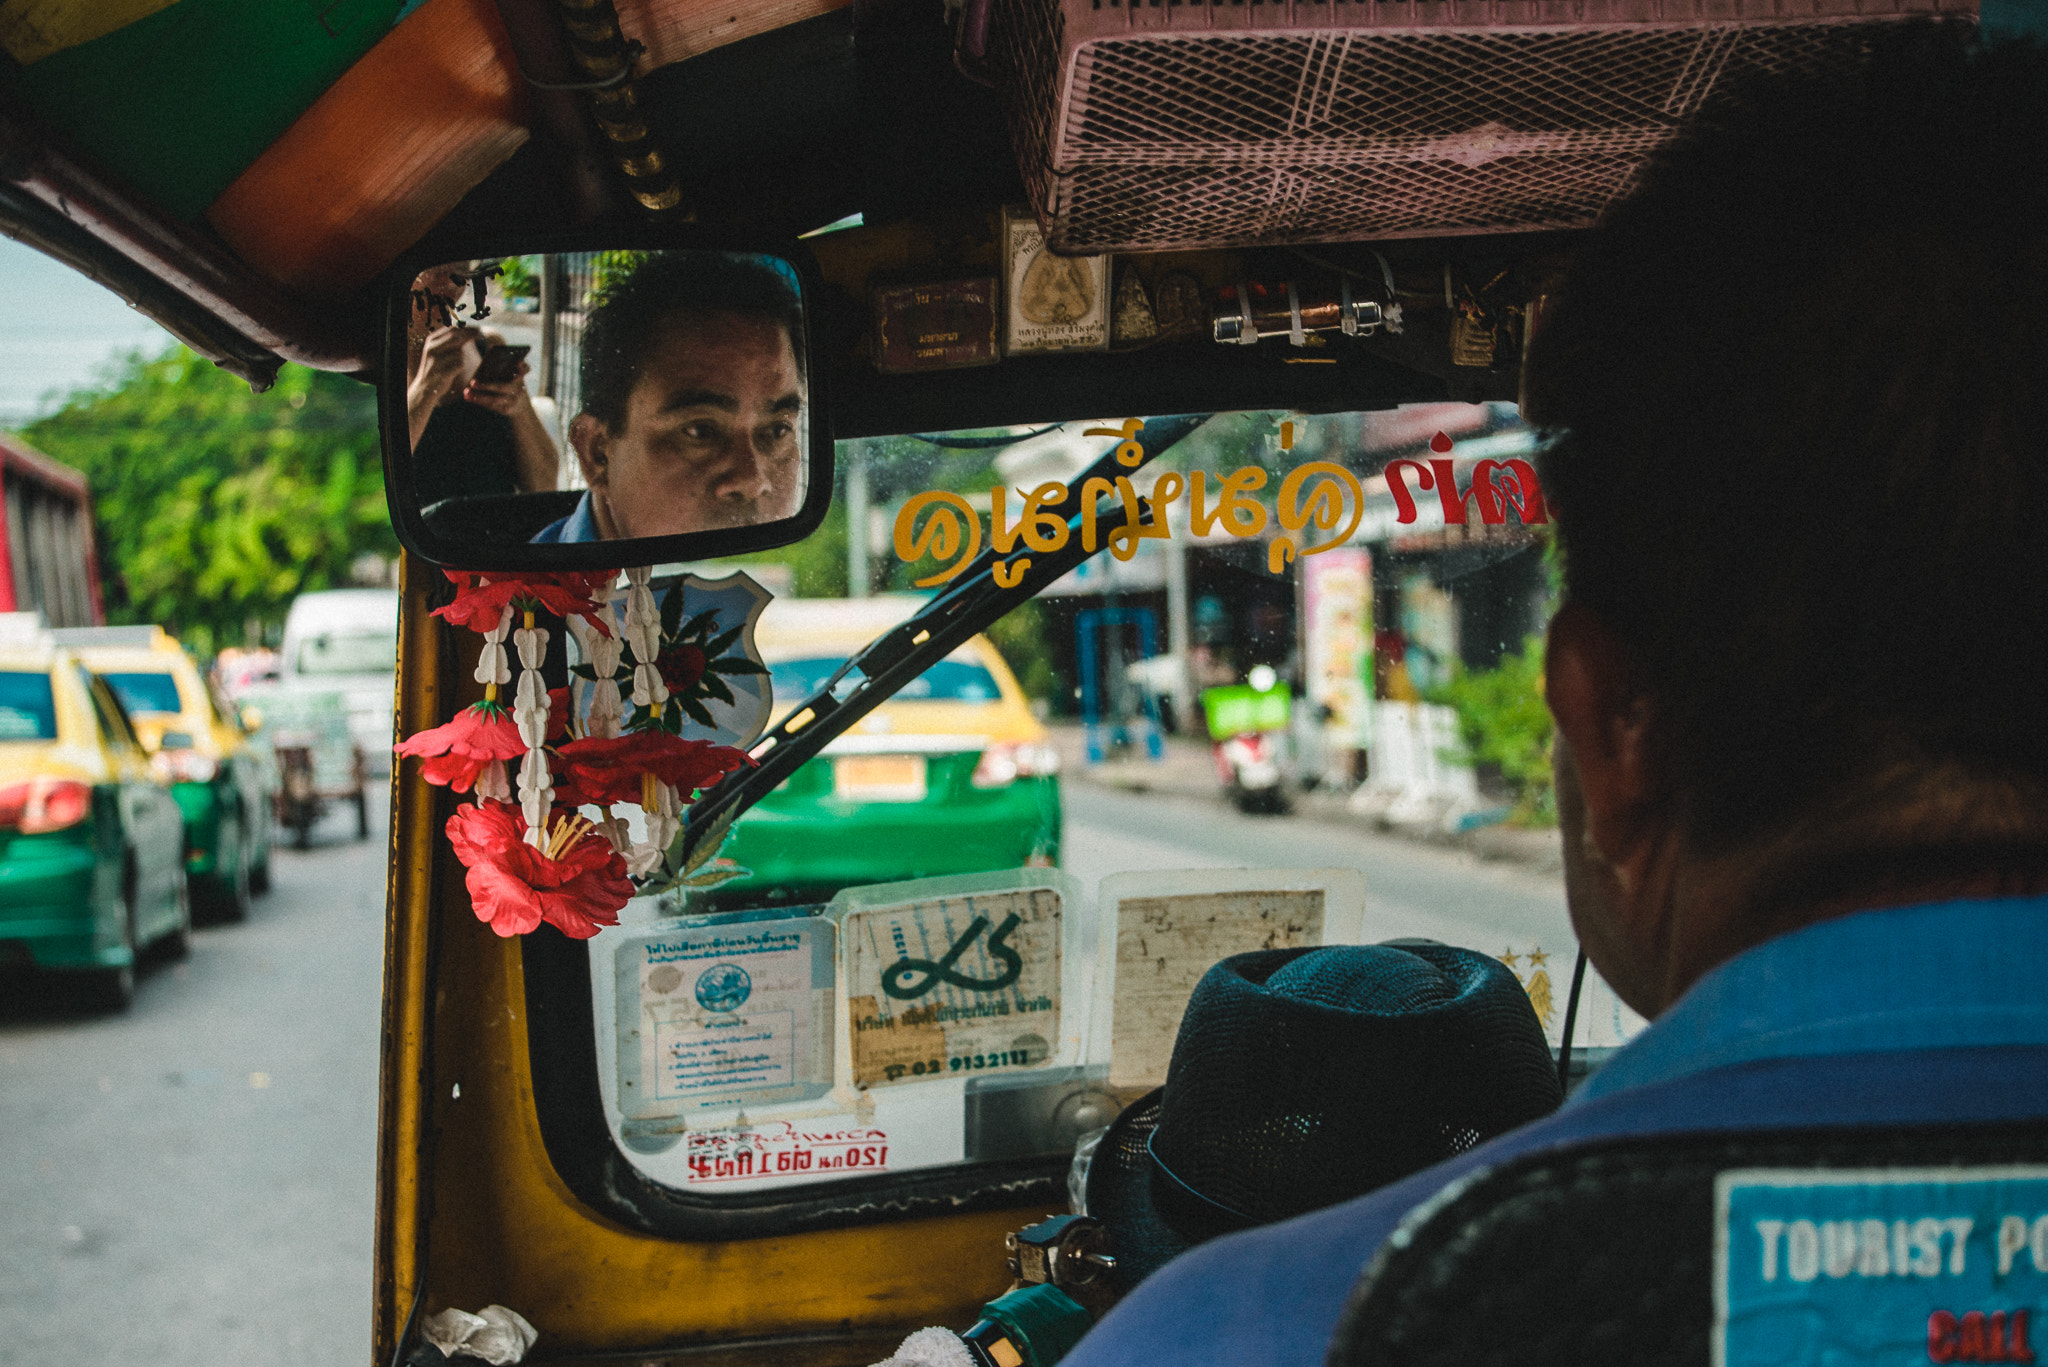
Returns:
(47,560)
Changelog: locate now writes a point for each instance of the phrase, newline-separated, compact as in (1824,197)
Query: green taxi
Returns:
(198,746)
(91,843)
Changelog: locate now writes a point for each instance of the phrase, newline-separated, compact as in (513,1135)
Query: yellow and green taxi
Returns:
(197,745)
(953,774)
(91,843)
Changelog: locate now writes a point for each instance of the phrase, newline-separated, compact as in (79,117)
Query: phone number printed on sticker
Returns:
(953,985)
(964,1063)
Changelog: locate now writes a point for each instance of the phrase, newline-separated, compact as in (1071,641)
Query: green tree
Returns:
(214,506)
(1504,720)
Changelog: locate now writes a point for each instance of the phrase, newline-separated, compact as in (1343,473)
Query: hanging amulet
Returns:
(1472,340)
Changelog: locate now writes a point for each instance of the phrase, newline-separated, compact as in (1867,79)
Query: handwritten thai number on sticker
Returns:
(898,978)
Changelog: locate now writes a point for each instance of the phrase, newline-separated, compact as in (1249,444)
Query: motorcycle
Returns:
(1248,733)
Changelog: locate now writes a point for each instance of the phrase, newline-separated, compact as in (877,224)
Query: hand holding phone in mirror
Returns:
(499,381)
(443,362)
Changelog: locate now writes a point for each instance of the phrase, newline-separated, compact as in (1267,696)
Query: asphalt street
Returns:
(192,1183)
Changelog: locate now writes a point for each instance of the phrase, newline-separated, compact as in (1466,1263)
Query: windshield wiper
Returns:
(875,672)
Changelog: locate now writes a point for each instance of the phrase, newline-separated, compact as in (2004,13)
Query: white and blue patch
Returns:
(1895,1265)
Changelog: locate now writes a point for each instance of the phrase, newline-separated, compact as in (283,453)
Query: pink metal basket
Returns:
(1162,124)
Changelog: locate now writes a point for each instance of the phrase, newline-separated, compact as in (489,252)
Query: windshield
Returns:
(27,709)
(1289,713)
(946,681)
(146,692)
(348,653)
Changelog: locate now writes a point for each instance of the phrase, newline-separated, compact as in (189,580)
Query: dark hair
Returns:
(637,304)
(1794,387)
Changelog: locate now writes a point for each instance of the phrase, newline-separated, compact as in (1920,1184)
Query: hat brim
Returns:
(1123,1193)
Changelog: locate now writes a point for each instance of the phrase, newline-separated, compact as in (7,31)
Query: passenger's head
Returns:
(1803,661)
(1304,1077)
(692,378)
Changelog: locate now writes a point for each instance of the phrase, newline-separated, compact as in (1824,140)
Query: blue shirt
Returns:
(1902,1015)
(579,525)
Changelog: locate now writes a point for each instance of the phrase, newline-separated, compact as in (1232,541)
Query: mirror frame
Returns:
(391,378)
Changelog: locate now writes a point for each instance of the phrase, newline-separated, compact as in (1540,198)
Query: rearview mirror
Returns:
(597,409)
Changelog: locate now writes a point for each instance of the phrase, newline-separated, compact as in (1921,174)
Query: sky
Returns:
(58,330)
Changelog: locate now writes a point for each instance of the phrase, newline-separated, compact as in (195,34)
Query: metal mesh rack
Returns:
(1156,126)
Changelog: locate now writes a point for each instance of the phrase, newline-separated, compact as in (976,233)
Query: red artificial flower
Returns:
(456,753)
(558,714)
(681,666)
(480,599)
(599,772)
(577,884)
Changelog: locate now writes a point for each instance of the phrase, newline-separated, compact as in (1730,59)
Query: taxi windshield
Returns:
(1284,711)
(946,681)
(146,692)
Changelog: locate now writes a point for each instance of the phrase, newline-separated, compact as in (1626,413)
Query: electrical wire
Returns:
(1571,1018)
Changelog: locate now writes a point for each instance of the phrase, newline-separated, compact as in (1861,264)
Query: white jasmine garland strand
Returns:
(530,706)
(607,709)
(491,783)
(530,711)
(580,689)
(613,829)
(536,794)
(662,824)
(643,639)
(643,618)
(491,665)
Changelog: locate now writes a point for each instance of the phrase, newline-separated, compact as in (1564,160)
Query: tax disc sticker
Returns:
(718,1015)
(1827,1266)
(956,986)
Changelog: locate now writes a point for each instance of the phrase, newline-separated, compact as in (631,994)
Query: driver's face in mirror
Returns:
(692,403)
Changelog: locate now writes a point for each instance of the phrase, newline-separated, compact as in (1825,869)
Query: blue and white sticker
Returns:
(729,1013)
(1895,1265)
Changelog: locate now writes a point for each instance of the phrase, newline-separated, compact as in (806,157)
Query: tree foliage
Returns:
(1503,719)
(214,506)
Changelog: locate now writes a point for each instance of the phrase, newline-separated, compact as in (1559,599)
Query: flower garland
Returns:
(527,861)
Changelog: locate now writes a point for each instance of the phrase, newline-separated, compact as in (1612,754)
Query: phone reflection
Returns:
(677,379)
(475,431)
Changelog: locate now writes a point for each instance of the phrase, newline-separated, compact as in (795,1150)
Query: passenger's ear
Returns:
(589,436)
(1606,717)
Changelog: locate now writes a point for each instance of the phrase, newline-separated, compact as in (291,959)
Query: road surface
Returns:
(193,1182)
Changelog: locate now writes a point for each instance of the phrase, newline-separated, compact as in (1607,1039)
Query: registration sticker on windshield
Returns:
(957,986)
(1886,1265)
(722,1015)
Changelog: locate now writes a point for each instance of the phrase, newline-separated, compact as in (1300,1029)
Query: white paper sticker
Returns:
(957,986)
(720,1015)
(1165,944)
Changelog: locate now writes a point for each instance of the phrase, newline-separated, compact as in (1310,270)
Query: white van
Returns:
(346,641)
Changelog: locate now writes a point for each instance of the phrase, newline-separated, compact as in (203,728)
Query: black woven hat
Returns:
(1301,1078)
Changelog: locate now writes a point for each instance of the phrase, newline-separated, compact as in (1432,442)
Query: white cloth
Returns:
(930,1348)
(494,1334)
